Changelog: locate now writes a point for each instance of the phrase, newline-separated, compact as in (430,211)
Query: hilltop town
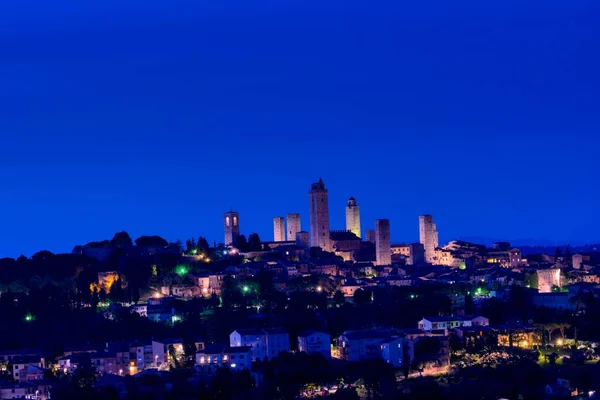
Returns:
(311,313)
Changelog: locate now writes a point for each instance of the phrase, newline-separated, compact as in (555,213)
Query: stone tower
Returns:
(293,226)
(319,216)
(383,251)
(370,236)
(353,217)
(428,236)
(231,220)
(278,229)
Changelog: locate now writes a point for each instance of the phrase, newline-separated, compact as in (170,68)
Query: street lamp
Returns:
(559,342)
(319,288)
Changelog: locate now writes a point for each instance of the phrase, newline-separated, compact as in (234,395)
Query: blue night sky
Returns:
(155,117)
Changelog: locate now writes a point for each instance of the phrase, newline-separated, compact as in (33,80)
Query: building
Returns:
(411,254)
(361,345)
(319,216)
(263,343)
(302,239)
(21,390)
(383,253)
(433,324)
(231,221)
(137,356)
(293,226)
(548,278)
(392,351)
(344,244)
(428,236)
(237,358)
(353,217)
(314,342)
(370,236)
(23,367)
(279,229)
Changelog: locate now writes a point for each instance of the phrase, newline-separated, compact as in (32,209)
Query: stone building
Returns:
(319,216)
(547,278)
(428,236)
(278,229)
(370,236)
(353,217)
(383,253)
(231,221)
(293,226)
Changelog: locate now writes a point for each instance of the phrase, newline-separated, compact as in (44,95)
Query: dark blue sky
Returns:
(156,117)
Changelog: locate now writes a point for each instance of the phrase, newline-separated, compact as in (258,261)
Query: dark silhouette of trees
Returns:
(151,241)
(121,239)
(338,298)
(254,243)
(241,243)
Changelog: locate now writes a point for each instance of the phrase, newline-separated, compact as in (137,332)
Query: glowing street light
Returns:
(245,289)
(559,342)
(319,289)
(29,317)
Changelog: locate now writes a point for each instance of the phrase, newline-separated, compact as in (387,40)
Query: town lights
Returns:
(245,289)
(559,342)
(319,288)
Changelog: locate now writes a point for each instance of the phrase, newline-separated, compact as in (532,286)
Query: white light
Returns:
(233,365)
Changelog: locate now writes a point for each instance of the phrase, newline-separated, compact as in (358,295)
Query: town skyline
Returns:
(266,232)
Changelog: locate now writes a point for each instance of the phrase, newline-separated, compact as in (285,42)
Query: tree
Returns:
(568,254)
(42,255)
(151,241)
(121,239)
(254,243)
(203,244)
(361,297)
(241,243)
(190,244)
(558,253)
(338,298)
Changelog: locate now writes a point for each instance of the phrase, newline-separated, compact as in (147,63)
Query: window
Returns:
(227,221)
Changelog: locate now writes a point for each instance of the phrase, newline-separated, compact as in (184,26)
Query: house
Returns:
(8,355)
(237,358)
(392,351)
(361,345)
(21,390)
(314,342)
(20,367)
(476,337)
(444,324)
(105,362)
(264,343)
(130,358)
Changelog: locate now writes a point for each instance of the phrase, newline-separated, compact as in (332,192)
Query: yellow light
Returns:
(205,290)
(319,288)
(559,342)
(524,343)
(157,295)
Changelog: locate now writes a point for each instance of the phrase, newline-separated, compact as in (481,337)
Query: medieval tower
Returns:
(353,217)
(319,216)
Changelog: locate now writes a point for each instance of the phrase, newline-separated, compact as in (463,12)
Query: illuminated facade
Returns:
(279,229)
(319,216)
(547,278)
(428,236)
(383,252)
(231,222)
(293,226)
(353,217)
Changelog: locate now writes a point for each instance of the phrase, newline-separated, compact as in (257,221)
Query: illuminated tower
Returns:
(383,251)
(428,236)
(293,226)
(319,216)
(353,217)
(232,227)
(278,229)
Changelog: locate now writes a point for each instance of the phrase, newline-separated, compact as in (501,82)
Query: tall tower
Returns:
(428,236)
(278,229)
(232,226)
(319,216)
(370,236)
(293,226)
(353,217)
(383,251)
